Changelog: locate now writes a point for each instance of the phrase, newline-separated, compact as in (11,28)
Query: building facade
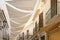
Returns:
(30,20)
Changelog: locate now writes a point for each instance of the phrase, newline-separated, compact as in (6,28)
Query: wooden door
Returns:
(53,8)
(41,20)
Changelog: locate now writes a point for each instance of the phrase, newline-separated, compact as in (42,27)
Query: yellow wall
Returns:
(54,35)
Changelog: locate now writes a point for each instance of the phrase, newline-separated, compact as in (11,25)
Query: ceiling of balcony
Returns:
(23,4)
(18,18)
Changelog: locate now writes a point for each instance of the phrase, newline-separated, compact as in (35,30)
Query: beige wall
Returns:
(47,6)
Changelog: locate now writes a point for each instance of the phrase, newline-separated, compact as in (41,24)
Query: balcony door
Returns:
(53,8)
(41,20)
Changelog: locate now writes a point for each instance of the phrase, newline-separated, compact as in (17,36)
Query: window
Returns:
(43,37)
